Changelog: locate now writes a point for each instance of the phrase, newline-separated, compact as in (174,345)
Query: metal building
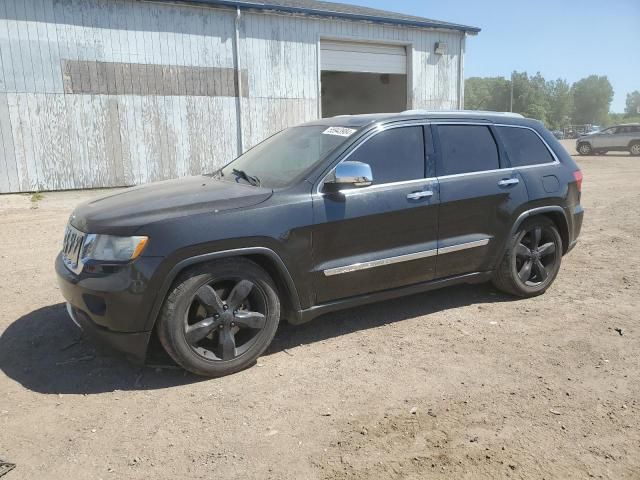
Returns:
(102,93)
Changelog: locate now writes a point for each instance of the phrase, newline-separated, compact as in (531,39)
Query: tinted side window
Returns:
(394,155)
(466,148)
(524,147)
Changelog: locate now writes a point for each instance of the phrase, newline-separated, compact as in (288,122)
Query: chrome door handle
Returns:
(419,195)
(508,181)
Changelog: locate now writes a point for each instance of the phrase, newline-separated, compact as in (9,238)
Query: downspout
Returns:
(461,72)
(236,60)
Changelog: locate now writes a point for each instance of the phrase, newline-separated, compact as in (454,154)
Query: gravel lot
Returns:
(460,383)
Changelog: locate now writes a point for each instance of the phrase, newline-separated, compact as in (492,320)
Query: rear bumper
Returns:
(112,308)
(576,217)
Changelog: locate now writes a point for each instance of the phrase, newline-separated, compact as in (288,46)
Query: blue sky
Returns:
(567,39)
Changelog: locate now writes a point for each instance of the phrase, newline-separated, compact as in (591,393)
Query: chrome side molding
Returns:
(463,246)
(379,263)
(355,267)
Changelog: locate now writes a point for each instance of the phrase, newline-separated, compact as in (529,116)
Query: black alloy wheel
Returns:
(219,317)
(532,260)
(535,256)
(225,318)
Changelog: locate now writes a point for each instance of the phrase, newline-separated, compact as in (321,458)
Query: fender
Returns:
(187,262)
(535,211)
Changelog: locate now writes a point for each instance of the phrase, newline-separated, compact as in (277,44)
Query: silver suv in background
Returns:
(616,138)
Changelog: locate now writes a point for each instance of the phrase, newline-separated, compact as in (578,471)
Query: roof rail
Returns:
(477,112)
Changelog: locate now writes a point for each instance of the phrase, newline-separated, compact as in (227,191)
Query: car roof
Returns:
(358,121)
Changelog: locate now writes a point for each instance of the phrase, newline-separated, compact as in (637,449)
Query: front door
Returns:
(477,199)
(382,236)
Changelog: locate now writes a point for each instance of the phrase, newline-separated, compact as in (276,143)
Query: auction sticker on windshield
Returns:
(340,131)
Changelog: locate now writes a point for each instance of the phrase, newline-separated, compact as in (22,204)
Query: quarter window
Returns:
(465,149)
(394,155)
(524,147)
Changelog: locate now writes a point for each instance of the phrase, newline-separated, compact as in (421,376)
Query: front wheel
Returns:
(219,317)
(532,259)
(634,149)
(584,149)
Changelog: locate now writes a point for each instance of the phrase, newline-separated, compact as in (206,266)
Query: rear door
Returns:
(478,198)
(608,138)
(529,154)
(625,135)
(383,236)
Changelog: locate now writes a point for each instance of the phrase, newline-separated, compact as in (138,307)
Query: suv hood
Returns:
(125,212)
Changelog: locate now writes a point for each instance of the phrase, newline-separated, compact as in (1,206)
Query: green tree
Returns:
(554,102)
(530,98)
(490,93)
(560,102)
(633,103)
(617,118)
(530,95)
(591,99)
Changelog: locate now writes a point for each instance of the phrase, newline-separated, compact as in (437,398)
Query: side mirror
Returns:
(349,175)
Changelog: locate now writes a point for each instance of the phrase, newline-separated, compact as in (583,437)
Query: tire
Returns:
(509,275)
(634,149)
(584,149)
(218,318)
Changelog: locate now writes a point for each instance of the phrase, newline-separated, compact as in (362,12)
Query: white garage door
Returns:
(363,57)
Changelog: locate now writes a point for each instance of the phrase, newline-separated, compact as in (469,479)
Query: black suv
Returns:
(331,214)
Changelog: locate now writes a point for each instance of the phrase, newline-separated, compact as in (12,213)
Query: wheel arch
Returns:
(266,258)
(553,212)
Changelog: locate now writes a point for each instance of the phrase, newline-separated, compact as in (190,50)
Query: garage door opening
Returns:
(345,93)
(362,78)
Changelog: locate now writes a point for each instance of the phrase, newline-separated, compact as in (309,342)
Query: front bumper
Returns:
(113,308)
(133,345)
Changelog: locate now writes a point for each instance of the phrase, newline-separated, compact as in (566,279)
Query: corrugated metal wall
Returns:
(100,93)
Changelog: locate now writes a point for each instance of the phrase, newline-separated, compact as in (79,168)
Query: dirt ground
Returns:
(460,383)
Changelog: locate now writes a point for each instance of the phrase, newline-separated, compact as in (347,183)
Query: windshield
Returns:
(282,159)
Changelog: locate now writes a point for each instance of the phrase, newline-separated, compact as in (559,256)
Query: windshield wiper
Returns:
(255,181)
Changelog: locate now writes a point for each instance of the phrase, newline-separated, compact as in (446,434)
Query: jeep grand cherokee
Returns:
(331,214)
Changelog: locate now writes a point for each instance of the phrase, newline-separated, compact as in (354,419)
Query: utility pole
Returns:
(511,98)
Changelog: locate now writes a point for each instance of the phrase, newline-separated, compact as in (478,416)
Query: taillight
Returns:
(578,177)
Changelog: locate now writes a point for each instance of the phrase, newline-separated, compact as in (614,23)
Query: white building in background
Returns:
(104,93)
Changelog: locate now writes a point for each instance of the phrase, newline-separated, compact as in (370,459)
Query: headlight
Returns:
(109,248)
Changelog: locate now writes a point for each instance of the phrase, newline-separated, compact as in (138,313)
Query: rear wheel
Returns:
(584,149)
(634,148)
(220,317)
(532,259)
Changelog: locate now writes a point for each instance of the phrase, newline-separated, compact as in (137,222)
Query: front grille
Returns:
(72,248)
